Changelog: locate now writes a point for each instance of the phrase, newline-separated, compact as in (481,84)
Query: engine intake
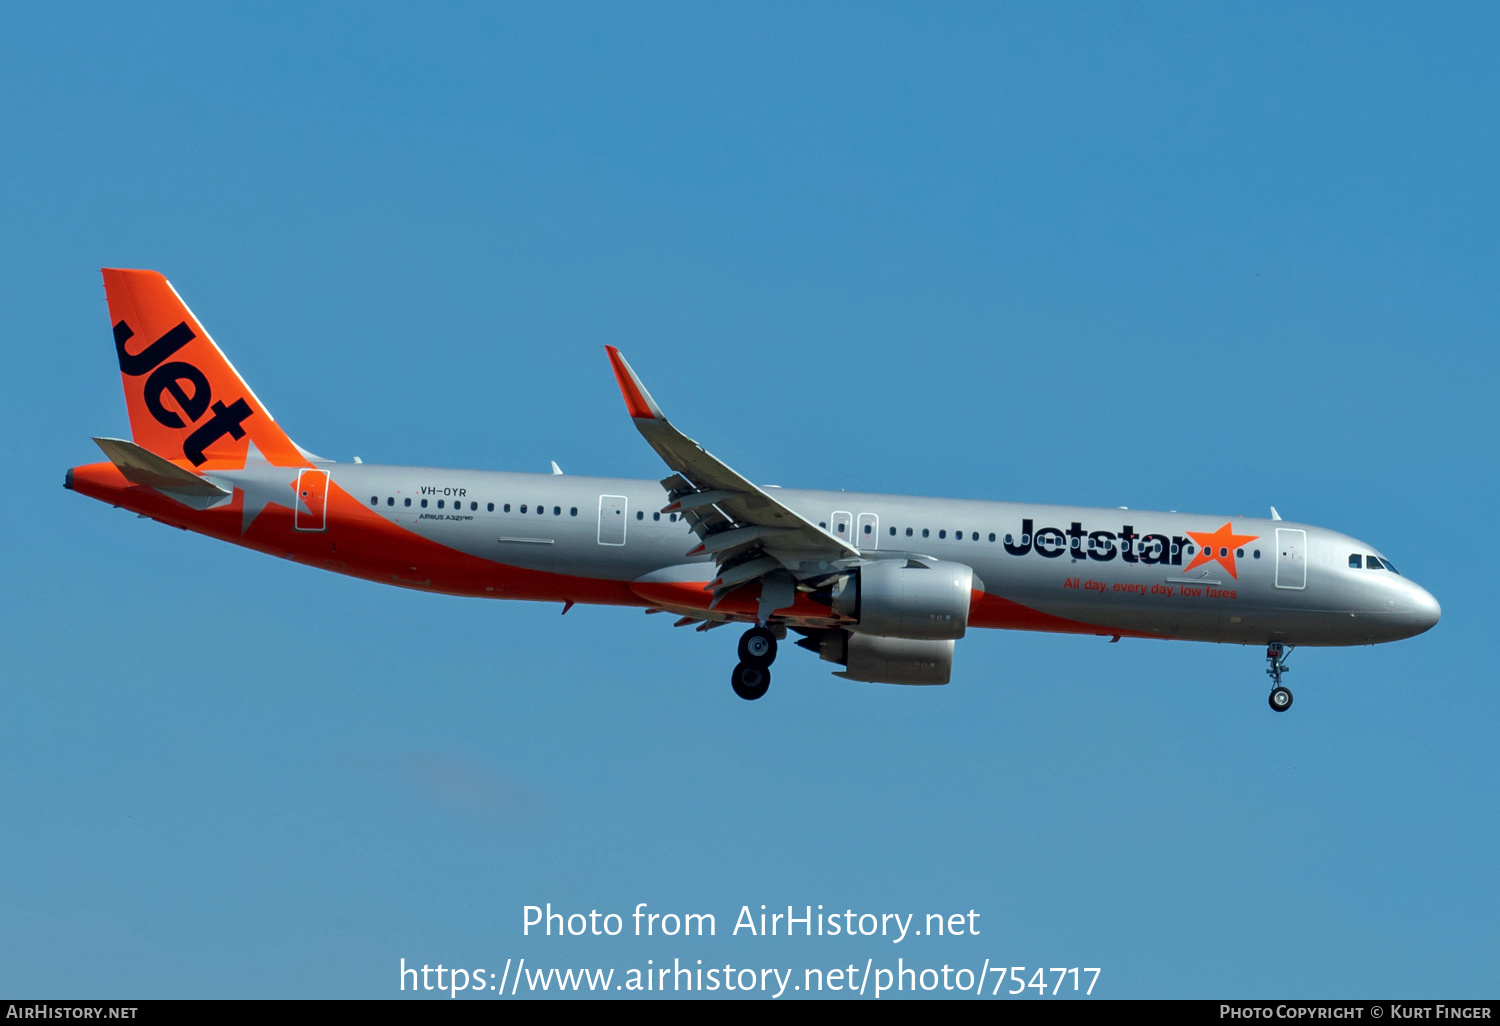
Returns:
(925,600)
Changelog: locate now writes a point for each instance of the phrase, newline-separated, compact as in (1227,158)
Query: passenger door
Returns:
(311,513)
(867,531)
(1291,558)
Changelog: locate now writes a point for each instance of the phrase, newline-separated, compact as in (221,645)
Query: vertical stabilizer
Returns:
(186,401)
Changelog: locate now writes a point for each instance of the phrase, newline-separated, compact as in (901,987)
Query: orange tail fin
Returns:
(186,401)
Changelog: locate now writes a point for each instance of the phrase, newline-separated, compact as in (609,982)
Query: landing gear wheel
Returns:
(750,681)
(758,647)
(1276,653)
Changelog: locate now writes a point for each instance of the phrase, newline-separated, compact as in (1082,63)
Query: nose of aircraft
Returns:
(1417,609)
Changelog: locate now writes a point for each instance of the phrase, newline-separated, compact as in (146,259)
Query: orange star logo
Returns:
(1219,547)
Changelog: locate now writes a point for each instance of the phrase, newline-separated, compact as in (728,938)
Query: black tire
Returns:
(750,681)
(1281,698)
(758,647)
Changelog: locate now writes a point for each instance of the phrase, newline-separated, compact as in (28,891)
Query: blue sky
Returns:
(1162,256)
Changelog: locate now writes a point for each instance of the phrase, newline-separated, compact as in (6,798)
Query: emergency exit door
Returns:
(612,519)
(842,526)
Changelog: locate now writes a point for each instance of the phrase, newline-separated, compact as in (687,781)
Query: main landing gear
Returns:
(758,645)
(752,677)
(1276,654)
(750,681)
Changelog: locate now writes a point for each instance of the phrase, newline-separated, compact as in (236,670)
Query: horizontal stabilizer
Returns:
(143,467)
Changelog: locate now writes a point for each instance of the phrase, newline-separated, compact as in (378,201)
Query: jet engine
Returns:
(925,600)
(878,660)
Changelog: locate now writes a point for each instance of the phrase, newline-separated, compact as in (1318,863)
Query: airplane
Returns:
(880,586)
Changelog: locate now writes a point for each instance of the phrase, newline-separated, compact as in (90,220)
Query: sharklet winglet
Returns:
(637,400)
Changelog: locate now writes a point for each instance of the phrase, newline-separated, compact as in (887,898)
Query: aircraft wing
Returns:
(748,532)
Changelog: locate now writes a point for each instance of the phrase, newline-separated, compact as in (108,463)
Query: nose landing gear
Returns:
(1276,655)
(752,677)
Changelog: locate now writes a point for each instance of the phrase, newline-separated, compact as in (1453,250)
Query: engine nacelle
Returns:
(907,598)
(878,660)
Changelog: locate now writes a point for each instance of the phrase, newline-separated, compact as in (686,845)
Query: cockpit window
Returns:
(1373,563)
(1354,560)
(1388,566)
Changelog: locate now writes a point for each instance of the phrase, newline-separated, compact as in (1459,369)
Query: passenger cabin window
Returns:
(391,501)
(374,500)
(992,536)
(654,516)
(867,529)
(523,507)
(573,512)
(490,506)
(893,532)
(908,532)
(424,503)
(924,532)
(407,502)
(941,534)
(640,514)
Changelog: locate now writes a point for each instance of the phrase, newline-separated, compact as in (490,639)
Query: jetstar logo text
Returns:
(186,385)
(1125,544)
